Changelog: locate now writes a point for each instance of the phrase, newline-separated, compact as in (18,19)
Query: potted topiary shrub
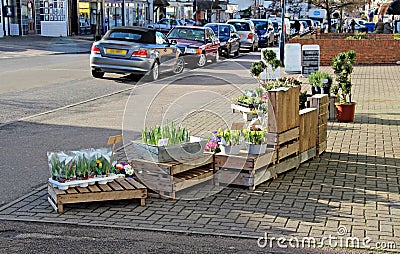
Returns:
(321,82)
(343,67)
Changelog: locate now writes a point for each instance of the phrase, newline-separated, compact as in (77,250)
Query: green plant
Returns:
(396,37)
(320,79)
(303,99)
(55,165)
(231,137)
(269,57)
(82,166)
(282,82)
(174,134)
(357,36)
(254,137)
(343,67)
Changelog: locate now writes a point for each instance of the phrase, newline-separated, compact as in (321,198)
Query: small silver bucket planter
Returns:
(179,152)
(256,149)
(225,149)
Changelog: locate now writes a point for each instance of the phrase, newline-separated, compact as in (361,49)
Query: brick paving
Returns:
(353,186)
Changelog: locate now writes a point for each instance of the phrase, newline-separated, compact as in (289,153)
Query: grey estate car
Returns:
(134,50)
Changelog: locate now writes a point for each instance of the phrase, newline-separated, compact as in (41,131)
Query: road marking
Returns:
(86,101)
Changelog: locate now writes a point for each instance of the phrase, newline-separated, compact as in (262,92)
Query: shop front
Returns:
(179,10)
(90,17)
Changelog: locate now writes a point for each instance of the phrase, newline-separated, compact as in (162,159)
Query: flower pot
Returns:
(315,90)
(345,112)
(256,149)
(326,90)
(230,149)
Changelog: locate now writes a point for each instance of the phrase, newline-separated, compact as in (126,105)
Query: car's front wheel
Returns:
(98,74)
(202,60)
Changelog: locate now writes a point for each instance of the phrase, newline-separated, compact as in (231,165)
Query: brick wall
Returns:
(379,49)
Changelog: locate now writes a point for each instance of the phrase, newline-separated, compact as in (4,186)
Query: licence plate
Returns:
(116,51)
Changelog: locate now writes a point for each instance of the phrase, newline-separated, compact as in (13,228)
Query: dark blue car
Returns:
(228,37)
(265,32)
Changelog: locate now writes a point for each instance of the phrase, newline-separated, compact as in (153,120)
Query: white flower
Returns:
(128,169)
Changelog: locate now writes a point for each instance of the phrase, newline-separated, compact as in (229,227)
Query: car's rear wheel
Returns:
(98,74)
(155,72)
(179,66)
(202,60)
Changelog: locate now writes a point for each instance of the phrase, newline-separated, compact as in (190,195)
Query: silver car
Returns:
(135,50)
(247,32)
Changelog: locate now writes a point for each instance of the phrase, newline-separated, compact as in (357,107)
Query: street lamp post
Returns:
(283,33)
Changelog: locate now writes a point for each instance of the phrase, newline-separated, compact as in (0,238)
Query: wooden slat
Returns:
(323,119)
(287,150)
(104,187)
(125,184)
(82,189)
(309,154)
(193,181)
(115,186)
(134,183)
(103,196)
(184,166)
(93,188)
(308,129)
(71,191)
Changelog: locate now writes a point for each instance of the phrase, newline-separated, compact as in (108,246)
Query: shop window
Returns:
(52,10)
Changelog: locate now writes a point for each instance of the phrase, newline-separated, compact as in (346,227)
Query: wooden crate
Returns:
(167,178)
(321,102)
(249,170)
(308,129)
(118,189)
(286,144)
(283,110)
(332,108)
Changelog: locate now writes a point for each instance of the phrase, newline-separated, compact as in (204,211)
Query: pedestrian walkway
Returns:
(349,195)
(36,45)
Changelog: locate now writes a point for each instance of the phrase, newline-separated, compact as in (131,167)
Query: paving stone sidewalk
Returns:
(352,188)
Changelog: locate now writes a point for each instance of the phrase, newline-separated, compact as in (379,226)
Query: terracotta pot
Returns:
(345,112)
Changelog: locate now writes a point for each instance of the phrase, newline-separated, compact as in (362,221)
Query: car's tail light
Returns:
(250,36)
(199,51)
(95,49)
(140,53)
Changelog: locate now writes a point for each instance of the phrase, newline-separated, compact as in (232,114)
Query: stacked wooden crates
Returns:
(166,179)
(320,102)
(283,138)
(308,134)
(284,122)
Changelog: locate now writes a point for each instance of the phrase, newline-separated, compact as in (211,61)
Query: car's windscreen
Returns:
(223,29)
(241,26)
(261,25)
(187,34)
(132,36)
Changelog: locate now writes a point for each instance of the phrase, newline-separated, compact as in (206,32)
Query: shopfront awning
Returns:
(394,8)
(161,3)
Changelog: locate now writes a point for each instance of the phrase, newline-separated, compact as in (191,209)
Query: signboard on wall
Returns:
(310,59)
(8,11)
(292,58)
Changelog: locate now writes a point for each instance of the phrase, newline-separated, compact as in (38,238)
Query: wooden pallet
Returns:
(118,189)
(308,129)
(167,178)
(286,144)
(250,170)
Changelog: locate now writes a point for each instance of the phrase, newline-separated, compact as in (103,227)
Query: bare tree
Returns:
(335,5)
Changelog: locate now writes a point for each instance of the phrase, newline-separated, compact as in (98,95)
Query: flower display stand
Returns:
(166,179)
(118,189)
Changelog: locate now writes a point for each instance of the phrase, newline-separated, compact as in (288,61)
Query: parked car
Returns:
(165,24)
(228,37)
(247,33)
(277,30)
(197,44)
(135,50)
(265,32)
(359,25)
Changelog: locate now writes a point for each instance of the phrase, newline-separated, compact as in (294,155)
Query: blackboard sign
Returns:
(309,59)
